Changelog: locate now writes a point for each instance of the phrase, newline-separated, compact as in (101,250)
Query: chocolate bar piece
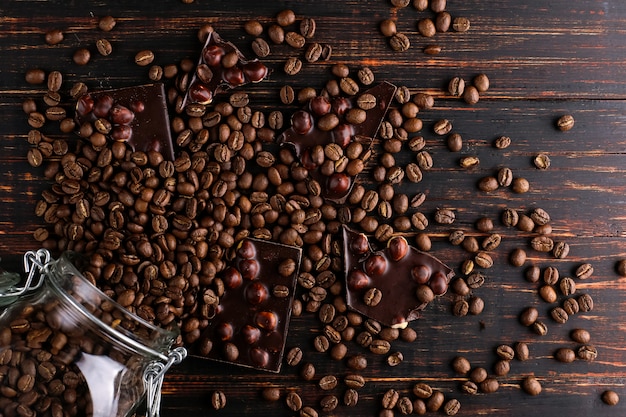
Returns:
(391,285)
(252,317)
(136,115)
(305,133)
(221,67)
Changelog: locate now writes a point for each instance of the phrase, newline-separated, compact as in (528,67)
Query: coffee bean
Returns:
(461,24)
(559,315)
(542,161)
(293,401)
(81,56)
(461,366)
(104,47)
(542,244)
(426,27)
(253,27)
(106,23)
(329,403)
(587,353)
(328,382)
(456,86)
(517,257)
(580,336)
(489,385)
(261,48)
(307,372)
(585,302)
(144,58)
(390,399)
(529,316)
(469,387)
(565,122)
(540,328)
(548,293)
(560,250)
(585,271)
(395,359)
(610,397)
(520,185)
(570,305)
(531,385)
(54,37)
(271,393)
(387,27)
(567,286)
(502,142)
(354,381)
(399,42)
(565,355)
(285,17)
(422,390)
(521,351)
(505,352)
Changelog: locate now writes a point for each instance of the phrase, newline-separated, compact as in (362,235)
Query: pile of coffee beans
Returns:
(161,233)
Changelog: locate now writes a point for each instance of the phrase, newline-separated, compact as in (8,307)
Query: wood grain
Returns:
(543,60)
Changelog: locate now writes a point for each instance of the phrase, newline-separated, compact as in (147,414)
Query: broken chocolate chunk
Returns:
(324,121)
(391,285)
(221,67)
(135,115)
(250,319)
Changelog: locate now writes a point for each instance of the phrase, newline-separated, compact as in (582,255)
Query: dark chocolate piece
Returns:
(304,134)
(252,317)
(400,274)
(212,77)
(136,115)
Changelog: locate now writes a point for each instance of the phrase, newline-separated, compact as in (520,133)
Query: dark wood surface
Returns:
(544,59)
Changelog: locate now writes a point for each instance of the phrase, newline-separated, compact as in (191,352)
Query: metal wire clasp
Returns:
(153,379)
(35,264)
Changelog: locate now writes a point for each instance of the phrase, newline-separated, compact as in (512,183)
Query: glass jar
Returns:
(66,349)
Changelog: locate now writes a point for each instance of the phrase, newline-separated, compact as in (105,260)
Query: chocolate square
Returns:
(397,275)
(136,115)
(252,318)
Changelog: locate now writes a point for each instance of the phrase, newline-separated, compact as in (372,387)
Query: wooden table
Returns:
(544,59)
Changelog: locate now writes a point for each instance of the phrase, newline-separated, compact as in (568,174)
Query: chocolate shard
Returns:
(136,115)
(221,67)
(305,133)
(406,278)
(249,323)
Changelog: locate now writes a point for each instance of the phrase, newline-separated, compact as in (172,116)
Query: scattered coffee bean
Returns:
(565,355)
(531,385)
(610,397)
(565,122)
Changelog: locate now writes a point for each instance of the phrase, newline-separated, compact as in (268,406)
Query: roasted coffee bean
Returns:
(585,302)
(456,86)
(294,356)
(565,122)
(587,353)
(461,24)
(559,315)
(567,286)
(387,27)
(461,366)
(540,328)
(422,390)
(580,336)
(565,355)
(610,397)
(570,305)
(489,385)
(218,400)
(502,142)
(293,401)
(307,372)
(560,250)
(357,362)
(529,316)
(435,402)
(469,387)
(329,403)
(261,48)
(390,399)
(454,142)
(426,27)
(584,271)
(522,352)
(548,293)
(520,185)
(517,257)
(399,42)
(531,385)
(505,352)
(328,382)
